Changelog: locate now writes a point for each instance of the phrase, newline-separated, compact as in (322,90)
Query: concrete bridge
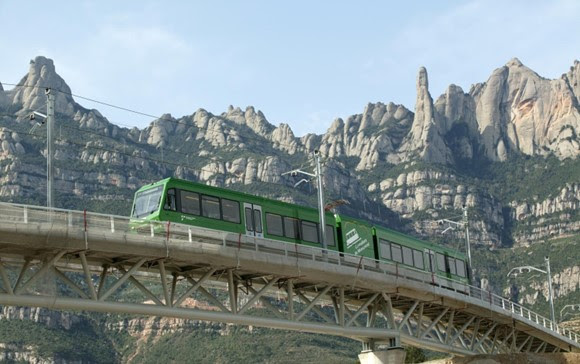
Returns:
(76,260)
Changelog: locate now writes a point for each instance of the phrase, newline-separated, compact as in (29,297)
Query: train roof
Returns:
(250,197)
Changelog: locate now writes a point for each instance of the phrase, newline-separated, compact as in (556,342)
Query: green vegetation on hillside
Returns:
(82,343)
(243,346)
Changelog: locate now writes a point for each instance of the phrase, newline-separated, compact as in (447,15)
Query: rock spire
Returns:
(426,137)
(30,91)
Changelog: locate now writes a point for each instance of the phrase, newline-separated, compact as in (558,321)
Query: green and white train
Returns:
(216,208)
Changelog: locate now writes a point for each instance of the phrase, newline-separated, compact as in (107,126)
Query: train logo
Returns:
(352,237)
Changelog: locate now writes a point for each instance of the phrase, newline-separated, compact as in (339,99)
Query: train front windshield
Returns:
(147,202)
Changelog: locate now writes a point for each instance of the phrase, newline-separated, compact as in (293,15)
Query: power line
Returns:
(159,162)
(177,122)
(134,157)
(162,161)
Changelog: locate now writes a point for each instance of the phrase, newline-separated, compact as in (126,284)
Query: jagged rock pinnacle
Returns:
(514,62)
(30,91)
(422,79)
(425,138)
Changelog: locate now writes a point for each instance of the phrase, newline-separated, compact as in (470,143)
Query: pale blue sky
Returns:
(300,62)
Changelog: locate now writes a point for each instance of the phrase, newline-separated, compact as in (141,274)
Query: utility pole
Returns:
(49,149)
(321,212)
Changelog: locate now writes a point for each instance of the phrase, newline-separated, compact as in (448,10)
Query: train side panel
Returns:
(356,237)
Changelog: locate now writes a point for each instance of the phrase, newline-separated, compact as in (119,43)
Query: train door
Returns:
(253,217)
(430,261)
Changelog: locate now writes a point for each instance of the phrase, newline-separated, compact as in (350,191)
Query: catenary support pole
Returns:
(49,149)
(467,243)
(550,290)
(320,201)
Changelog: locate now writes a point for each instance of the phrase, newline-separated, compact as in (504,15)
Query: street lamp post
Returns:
(573,307)
(528,268)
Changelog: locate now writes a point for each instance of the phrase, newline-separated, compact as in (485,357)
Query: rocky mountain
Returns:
(507,149)
(395,166)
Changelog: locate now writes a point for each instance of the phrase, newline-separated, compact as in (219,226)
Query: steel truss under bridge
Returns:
(73,260)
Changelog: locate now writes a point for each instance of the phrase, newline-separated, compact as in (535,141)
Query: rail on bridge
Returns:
(93,259)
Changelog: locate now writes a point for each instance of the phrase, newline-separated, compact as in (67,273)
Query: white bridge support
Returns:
(94,260)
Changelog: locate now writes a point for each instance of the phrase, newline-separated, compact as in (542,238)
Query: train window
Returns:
(249,219)
(231,210)
(329,235)
(210,207)
(441,262)
(407,255)
(170,200)
(291,228)
(418,259)
(452,267)
(309,231)
(189,202)
(385,249)
(258,220)
(147,202)
(396,253)
(274,224)
(460,268)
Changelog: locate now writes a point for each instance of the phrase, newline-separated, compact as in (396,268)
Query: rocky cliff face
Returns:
(519,111)
(147,331)
(564,283)
(4,100)
(50,319)
(370,137)
(21,349)
(547,218)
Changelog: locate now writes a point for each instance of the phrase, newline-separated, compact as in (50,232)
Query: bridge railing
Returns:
(169,231)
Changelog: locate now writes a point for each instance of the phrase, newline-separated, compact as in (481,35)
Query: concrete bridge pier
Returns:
(393,354)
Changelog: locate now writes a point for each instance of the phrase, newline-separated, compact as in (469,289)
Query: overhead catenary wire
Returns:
(94,147)
(156,118)
(162,161)
(130,155)
(194,169)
